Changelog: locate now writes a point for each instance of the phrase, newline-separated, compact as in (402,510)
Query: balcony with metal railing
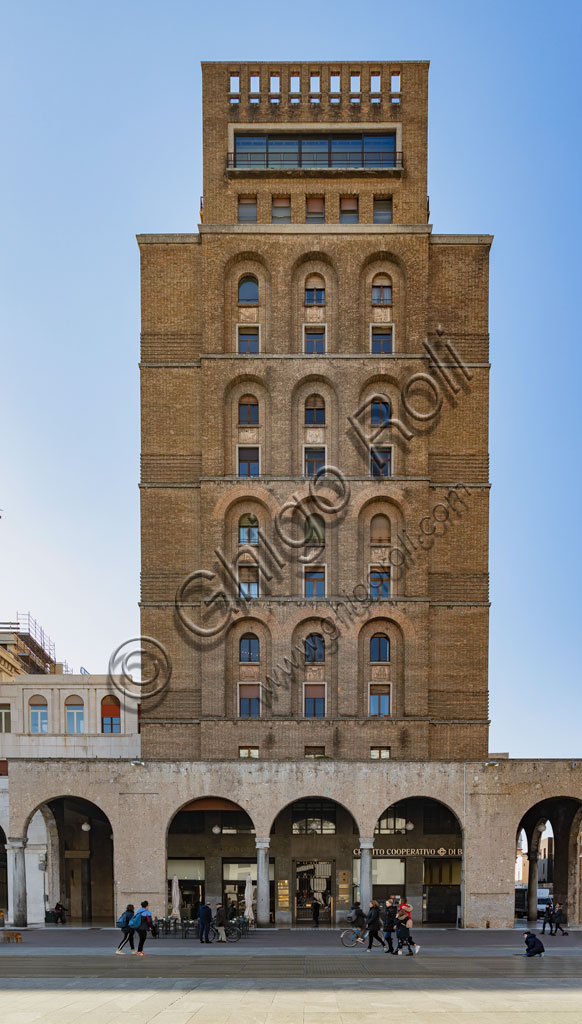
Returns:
(350,160)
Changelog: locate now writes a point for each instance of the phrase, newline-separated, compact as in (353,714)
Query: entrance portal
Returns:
(314,884)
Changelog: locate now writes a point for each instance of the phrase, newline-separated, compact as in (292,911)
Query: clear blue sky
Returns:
(101,133)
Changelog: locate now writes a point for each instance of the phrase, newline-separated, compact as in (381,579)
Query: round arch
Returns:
(561,855)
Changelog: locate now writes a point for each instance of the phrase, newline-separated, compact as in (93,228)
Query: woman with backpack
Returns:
(128,932)
(143,923)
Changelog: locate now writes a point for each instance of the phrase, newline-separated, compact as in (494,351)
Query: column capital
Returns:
(262,842)
(16,842)
(366,844)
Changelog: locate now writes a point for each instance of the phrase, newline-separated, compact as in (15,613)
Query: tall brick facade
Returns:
(363,269)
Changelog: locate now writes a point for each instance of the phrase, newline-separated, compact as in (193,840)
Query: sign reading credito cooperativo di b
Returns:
(416,851)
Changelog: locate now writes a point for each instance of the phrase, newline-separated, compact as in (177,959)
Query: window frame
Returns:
(382,661)
(250,543)
(250,660)
(382,199)
(311,220)
(342,213)
(109,718)
(380,756)
(5,718)
(381,448)
(314,327)
(247,201)
(384,328)
(312,447)
(374,567)
(40,709)
(248,476)
(238,698)
(249,755)
(239,582)
(249,405)
(247,327)
(309,682)
(78,711)
(280,220)
(387,685)
(314,568)
(248,277)
(314,647)
(316,408)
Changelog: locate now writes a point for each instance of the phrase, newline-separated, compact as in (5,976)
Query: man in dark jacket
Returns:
(373,922)
(205,917)
(547,918)
(557,918)
(533,945)
(389,919)
(359,919)
(221,922)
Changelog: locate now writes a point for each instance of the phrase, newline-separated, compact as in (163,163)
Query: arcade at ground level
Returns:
(443,834)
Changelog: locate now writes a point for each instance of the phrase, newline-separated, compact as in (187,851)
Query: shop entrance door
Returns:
(314,880)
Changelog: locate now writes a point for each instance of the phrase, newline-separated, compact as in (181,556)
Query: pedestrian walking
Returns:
(533,945)
(389,919)
(205,918)
(59,912)
(315,913)
(128,933)
(374,924)
(232,911)
(547,918)
(358,919)
(143,923)
(221,922)
(404,930)
(557,918)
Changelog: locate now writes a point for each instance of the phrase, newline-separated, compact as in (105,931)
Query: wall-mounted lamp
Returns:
(85,827)
(216,830)
(409,826)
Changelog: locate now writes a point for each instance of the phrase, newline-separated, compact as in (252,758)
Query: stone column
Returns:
(366,847)
(16,866)
(263,885)
(532,886)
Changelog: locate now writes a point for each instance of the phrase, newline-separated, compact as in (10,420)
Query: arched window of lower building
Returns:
(110,715)
(75,715)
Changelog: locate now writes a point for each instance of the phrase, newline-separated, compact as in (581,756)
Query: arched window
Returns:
(248,291)
(248,411)
(315,531)
(380,530)
(379,647)
(249,648)
(38,714)
(75,714)
(315,290)
(110,715)
(382,290)
(248,529)
(314,648)
(380,412)
(314,411)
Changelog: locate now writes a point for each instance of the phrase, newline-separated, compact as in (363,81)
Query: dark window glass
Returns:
(315,296)
(380,462)
(438,820)
(314,460)
(379,648)
(248,582)
(379,150)
(283,152)
(249,649)
(382,294)
(313,817)
(379,584)
(314,411)
(248,462)
(248,291)
(382,211)
(248,341)
(315,583)
(250,151)
(248,414)
(379,701)
(315,707)
(249,707)
(380,414)
(315,210)
(315,152)
(247,211)
(346,151)
(393,821)
(314,648)
(315,531)
(248,529)
(314,341)
(348,210)
(381,341)
(281,210)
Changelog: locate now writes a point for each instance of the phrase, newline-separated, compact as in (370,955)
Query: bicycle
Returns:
(349,937)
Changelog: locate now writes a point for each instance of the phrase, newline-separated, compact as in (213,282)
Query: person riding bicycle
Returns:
(358,919)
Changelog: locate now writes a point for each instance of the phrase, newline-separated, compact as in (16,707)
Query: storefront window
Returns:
(314,817)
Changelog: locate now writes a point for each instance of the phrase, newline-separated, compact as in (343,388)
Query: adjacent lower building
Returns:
(314,510)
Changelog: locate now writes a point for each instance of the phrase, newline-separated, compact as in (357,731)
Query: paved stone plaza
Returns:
(288,977)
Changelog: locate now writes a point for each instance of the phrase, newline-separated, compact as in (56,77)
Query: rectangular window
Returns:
(248,414)
(111,724)
(75,719)
(314,582)
(346,151)
(354,83)
(314,751)
(348,210)
(283,152)
(5,718)
(248,751)
(375,82)
(314,83)
(255,83)
(334,83)
(379,584)
(248,341)
(38,718)
(250,151)
(379,700)
(248,581)
(275,84)
(248,462)
(381,341)
(379,151)
(381,462)
(315,296)
(382,295)
(380,753)
(315,210)
(247,209)
(281,210)
(314,152)
(395,83)
(295,84)
(234,86)
(314,341)
(314,461)
(314,700)
(249,700)
(382,211)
